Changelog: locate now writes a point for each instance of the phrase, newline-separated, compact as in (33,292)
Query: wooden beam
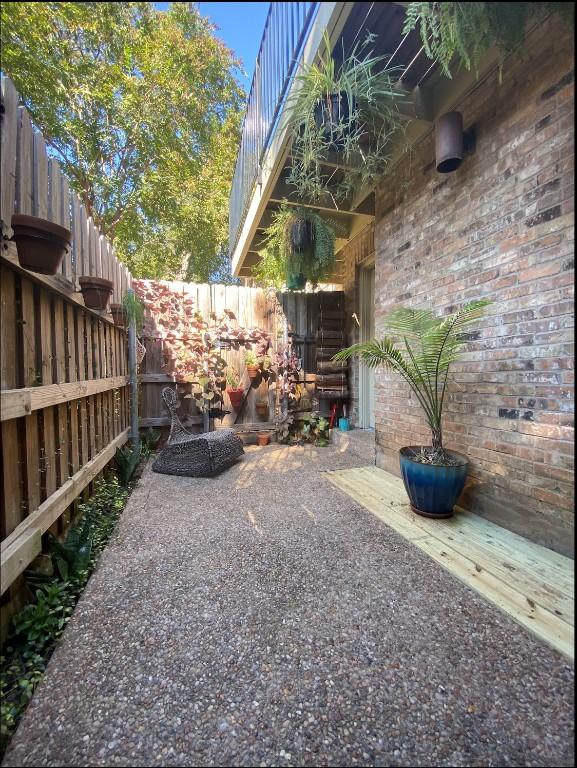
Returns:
(164,421)
(21,402)
(156,378)
(20,547)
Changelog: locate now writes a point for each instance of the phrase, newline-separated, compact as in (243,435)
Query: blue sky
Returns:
(240,27)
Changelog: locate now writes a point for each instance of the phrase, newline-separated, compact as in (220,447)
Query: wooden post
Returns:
(133,376)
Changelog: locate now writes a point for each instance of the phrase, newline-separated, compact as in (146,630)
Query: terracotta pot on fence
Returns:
(263,438)
(235,396)
(96,291)
(262,409)
(41,244)
(117,312)
(252,371)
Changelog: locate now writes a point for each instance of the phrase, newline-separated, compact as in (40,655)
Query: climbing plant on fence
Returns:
(192,341)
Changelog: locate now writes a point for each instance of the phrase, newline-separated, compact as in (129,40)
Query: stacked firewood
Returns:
(331,378)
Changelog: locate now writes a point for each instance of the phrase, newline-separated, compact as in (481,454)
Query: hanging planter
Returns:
(296,282)
(334,115)
(299,247)
(301,235)
(118,315)
(96,291)
(348,104)
(41,244)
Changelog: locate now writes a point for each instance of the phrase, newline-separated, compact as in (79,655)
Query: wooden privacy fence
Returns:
(288,317)
(252,308)
(64,370)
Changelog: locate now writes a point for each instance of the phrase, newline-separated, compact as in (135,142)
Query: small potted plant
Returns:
(41,244)
(234,391)
(118,316)
(263,438)
(96,291)
(262,408)
(434,477)
(252,364)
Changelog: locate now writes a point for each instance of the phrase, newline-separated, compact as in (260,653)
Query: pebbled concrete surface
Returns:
(263,618)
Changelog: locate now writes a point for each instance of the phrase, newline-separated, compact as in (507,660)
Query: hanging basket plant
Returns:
(299,248)
(351,108)
(334,117)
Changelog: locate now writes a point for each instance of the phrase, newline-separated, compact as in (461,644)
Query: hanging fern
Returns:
(463,32)
(280,261)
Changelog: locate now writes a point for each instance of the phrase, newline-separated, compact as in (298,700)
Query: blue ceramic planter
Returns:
(433,490)
(344,424)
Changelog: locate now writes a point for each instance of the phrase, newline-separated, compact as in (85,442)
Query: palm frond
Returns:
(431,344)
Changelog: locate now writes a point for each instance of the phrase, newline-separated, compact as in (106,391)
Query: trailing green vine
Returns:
(461,33)
(35,630)
(281,261)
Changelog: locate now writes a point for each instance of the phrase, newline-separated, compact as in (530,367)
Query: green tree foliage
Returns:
(142,110)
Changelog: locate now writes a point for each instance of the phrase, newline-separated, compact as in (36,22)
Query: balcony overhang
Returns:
(428,95)
(331,18)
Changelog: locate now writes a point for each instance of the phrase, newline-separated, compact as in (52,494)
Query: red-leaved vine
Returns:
(192,342)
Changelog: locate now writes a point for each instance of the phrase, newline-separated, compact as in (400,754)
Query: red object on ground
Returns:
(333,415)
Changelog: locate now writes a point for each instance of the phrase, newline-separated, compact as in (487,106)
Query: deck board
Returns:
(530,583)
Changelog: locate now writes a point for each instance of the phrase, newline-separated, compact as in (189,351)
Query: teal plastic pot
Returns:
(296,282)
(433,489)
(344,425)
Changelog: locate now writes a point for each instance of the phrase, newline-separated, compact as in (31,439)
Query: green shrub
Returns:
(35,630)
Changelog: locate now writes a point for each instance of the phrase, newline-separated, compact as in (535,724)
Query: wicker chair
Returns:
(195,455)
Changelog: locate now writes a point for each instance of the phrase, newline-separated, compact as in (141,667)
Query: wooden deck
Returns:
(532,584)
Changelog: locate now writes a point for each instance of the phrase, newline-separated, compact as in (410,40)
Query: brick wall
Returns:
(500,227)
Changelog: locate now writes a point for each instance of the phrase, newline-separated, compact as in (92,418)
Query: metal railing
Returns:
(286,28)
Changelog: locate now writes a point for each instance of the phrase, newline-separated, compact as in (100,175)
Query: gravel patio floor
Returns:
(262,618)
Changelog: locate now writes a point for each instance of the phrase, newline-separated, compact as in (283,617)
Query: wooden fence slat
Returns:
(8,330)
(12,499)
(76,229)
(24,170)
(65,197)
(33,477)
(84,266)
(60,342)
(54,192)
(40,177)
(8,153)
(21,402)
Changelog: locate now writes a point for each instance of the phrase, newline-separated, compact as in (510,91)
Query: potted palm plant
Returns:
(421,349)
